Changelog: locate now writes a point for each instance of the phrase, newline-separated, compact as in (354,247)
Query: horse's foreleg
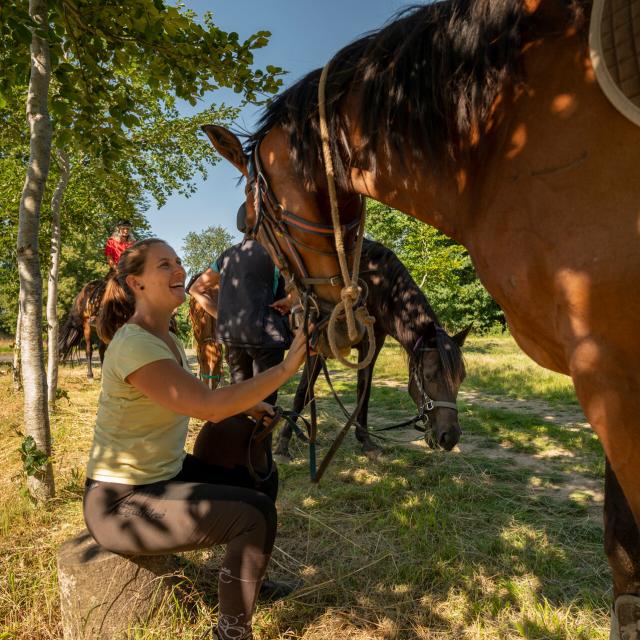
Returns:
(621,537)
(307,381)
(216,365)
(86,328)
(610,397)
(622,546)
(203,364)
(365,377)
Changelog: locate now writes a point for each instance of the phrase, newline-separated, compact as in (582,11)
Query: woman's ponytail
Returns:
(118,302)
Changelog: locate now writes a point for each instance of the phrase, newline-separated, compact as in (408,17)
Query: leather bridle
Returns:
(427,404)
(275,222)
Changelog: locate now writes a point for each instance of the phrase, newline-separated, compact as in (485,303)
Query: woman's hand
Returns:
(282,306)
(261,410)
(297,351)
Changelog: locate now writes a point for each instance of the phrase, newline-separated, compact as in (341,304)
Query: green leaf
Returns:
(33,460)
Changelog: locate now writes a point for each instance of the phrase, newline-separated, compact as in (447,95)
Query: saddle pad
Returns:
(614,43)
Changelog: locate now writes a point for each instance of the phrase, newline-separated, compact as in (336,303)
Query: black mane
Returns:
(401,307)
(423,83)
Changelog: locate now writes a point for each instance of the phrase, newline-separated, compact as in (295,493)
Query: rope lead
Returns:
(351,291)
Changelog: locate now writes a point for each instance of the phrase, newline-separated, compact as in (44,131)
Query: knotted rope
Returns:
(351,291)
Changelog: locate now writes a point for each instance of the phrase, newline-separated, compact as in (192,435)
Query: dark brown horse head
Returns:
(293,222)
(436,371)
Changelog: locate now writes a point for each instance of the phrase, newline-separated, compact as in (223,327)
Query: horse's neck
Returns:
(404,316)
(443,201)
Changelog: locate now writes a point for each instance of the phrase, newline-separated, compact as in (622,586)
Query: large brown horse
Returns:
(484,119)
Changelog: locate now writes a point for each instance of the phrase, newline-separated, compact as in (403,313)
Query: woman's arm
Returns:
(168,384)
(205,291)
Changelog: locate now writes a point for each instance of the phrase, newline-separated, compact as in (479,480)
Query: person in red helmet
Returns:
(118,242)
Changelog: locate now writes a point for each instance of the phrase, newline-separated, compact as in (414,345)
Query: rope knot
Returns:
(350,292)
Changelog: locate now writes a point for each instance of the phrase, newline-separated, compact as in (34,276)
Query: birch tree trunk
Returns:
(36,414)
(52,289)
(17,373)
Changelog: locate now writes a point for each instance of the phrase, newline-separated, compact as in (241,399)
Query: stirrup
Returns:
(625,618)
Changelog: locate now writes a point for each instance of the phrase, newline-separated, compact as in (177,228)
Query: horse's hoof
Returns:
(371,450)
(625,618)
(282,458)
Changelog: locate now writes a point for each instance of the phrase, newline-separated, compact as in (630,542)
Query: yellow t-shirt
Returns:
(136,441)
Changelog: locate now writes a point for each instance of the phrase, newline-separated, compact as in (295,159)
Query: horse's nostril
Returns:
(449,439)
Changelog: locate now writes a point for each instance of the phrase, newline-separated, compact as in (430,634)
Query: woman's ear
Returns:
(133,283)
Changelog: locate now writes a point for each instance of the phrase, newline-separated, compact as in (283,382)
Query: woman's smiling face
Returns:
(163,277)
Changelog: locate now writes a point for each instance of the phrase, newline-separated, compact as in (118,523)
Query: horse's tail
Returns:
(85,305)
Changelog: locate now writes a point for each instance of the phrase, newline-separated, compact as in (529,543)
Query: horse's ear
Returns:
(228,146)
(461,336)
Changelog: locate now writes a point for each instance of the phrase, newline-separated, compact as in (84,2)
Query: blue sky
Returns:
(305,34)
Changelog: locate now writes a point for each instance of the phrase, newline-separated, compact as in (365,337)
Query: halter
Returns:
(275,220)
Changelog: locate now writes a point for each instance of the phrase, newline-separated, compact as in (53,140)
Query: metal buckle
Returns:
(429,405)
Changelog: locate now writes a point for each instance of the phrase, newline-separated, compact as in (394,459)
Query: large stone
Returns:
(103,594)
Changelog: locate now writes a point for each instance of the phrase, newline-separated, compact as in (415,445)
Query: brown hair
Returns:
(118,302)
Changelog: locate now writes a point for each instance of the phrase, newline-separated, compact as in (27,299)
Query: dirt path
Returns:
(547,412)
(565,416)
(574,486)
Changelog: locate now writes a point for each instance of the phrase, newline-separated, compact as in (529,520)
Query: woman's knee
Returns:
(261,521)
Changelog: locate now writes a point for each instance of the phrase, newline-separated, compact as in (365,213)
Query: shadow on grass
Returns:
(421,543)
(527,433)
(440,542)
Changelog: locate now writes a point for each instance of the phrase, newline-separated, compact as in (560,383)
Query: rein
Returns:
(427,406)
(316,472)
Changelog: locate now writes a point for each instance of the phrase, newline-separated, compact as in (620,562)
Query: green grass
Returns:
(496,365)
(415,544)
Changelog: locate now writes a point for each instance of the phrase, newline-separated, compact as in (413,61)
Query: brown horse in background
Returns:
(208,351)
(485,119)
(77,326)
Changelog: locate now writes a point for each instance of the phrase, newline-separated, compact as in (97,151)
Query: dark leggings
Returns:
(198,508)
(246,362)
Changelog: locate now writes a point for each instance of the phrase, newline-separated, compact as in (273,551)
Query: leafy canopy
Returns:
(118,70)
(106,57)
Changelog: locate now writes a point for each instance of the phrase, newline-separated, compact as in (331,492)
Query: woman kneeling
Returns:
(144,495)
